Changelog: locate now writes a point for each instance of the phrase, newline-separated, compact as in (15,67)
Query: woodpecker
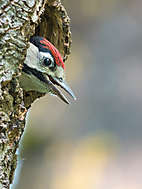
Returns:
(43,69)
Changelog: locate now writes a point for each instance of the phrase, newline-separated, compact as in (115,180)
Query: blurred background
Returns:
(96,142)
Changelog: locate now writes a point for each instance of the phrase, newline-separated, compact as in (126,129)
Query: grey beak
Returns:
(58,93)
(65,86)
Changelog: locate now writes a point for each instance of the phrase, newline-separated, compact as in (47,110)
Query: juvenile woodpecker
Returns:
(43,69)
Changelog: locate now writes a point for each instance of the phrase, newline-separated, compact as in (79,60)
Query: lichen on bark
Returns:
(18,21)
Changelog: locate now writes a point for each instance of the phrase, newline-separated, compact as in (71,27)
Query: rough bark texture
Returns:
(20,19)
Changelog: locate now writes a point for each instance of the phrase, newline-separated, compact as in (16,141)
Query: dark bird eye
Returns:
(47,62)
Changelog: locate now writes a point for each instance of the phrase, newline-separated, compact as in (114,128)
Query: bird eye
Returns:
(47,62)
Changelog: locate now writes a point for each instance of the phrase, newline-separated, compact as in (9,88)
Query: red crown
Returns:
(54,51)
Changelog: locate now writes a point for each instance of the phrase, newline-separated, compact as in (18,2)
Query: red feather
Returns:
(54,51)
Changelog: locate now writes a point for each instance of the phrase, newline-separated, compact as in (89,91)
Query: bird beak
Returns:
(64,86)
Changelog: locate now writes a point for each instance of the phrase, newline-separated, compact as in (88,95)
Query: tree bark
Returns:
(19,20)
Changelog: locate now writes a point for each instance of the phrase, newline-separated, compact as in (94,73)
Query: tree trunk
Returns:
(20,19)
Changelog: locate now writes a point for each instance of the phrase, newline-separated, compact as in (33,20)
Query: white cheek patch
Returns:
(46,55)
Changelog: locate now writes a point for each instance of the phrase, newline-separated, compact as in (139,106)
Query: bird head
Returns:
(44,69)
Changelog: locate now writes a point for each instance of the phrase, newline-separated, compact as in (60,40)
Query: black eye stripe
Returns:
(36,73)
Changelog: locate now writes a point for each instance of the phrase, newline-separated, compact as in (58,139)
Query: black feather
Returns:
(35,40)
(36,73)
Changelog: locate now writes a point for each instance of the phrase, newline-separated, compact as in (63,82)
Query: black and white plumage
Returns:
(43,69)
